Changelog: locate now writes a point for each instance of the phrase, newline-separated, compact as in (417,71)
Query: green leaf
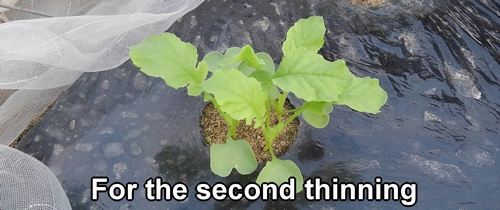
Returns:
(310,77)
(269,63)
(273,132)
(364,95)
(233,154)
(232,52)
(228,61)
(207,97)
(317,121)
(240,96)
(278,171)
(261,76)
(272,90)
(213,60)
(318,107)
(307,33)
(169,58)
(247,54)
(194,88)
(328,108)
(317,113)
(245,69)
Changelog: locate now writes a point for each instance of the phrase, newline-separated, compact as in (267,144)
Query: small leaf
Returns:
(169,58)
(261,76)
(364,95)
(328,108)
(245,69)
(239,96)
(319,107)
(269,63)
(272,90)
(247,54)
(310,77)
(307,33)
(232,51)
(317,121)
(213,60)
(229,61)
(233,154)
(278,171)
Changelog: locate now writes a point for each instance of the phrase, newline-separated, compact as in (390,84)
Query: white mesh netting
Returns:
(28,184)
(43,56)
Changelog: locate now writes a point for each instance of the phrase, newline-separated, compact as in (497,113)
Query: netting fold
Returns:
(42,57)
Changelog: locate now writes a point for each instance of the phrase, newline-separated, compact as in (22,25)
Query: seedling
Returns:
(244,85)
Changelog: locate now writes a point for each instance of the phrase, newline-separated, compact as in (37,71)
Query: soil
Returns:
(214,128)
(368,3)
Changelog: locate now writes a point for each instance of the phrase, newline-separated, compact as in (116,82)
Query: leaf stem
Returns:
(268,114)
(281,104)
(273,157)
(233,127)
(232,123)
(296,113)
(269,136)
(274,104)
(270,133)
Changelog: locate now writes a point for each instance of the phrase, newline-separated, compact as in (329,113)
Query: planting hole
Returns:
(214,129)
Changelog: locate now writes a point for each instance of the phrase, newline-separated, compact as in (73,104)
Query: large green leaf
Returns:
(169,58)
(239,96)
(307,33)
(278,171)
(364,95)
(310,77)
(233,154)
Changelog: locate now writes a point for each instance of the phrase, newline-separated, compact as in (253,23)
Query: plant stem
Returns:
(267,124)
(273,157)
(281,104)
(232,128)
(274,104)
(270,133)
(290,111)
(268,114)
(295,115)
(228,137)
(269,137)
(232,123)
